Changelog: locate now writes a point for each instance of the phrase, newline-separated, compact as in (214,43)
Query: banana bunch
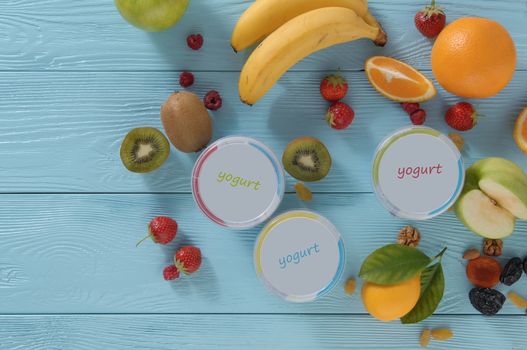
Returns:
(292,30)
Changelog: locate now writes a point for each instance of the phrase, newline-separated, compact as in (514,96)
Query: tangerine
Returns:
(388,303)
(520,131)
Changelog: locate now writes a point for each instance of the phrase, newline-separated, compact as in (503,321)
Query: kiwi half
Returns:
(144,150)
(307,159)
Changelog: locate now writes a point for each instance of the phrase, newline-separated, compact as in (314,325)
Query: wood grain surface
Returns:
(63,35)
(75,78)
(242,332)
(70,125)
(76,253)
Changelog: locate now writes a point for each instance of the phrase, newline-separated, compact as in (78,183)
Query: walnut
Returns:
(409,236)
(493,247)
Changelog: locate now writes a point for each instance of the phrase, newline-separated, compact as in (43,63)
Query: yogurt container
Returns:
(238,182)
(417,173)
(299,255)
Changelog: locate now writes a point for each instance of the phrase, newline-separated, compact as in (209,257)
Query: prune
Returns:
(525,265)
(487,301)
(484,272)
(512,272)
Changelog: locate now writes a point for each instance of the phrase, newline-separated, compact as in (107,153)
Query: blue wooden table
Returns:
(75,78)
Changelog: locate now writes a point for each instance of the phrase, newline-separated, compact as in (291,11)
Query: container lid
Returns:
(238,182)
(299,255)
(417,173)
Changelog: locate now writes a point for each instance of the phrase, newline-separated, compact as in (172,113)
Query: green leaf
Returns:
(432,289)
(393,264)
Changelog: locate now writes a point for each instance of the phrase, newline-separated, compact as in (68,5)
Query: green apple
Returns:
(494,195)
(505,182)
(152,15)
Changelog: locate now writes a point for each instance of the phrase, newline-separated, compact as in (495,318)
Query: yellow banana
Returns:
(298,38)
(265,16)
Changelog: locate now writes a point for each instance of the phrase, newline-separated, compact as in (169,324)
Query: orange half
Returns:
(398,81)
(520,131)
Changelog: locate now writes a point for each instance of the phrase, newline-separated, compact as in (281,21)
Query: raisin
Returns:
(350,286)
(517,300)
(512,272)
(487,301)
(484,272)
(303,192)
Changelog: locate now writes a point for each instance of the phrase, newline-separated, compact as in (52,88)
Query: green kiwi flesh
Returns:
(144,150)
(307,159)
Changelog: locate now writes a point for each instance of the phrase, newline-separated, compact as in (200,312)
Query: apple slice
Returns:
(483,216)
(505,182)
(509,191)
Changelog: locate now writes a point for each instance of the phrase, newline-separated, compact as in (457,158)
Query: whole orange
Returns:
(474,57)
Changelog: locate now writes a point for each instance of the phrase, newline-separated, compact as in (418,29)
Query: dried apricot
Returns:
(442,334)
(424,340)
(303,192)
(484,272)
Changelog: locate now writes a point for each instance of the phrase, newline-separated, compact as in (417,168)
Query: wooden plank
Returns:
(67,35)
(77,254)
(69,127)
(34,332)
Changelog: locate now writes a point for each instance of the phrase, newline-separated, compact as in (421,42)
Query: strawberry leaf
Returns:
(393,264)
(432,289)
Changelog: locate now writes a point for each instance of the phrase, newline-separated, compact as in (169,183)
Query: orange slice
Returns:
(398,81)
(520,131)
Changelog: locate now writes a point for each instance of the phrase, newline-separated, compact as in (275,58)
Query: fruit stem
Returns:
(440,255)
(433,3)
(141,241)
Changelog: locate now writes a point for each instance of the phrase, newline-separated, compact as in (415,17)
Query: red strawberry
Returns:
(162,230)
(195,41)
(212,100)
(418,117)
(340,115)
(431,20)
(188,259)
(170,273)
(333,88)
(186,79)
(462,116)
(410,107)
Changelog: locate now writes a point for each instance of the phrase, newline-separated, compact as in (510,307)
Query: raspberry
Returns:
(170,273)
(213,100)
(418,117)
(195,41)
(186,79)
(410,107)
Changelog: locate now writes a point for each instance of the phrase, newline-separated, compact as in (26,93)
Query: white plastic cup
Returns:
(238,182)
(299,255)
(417,173)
